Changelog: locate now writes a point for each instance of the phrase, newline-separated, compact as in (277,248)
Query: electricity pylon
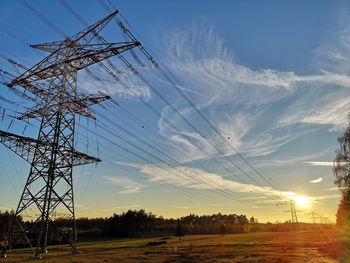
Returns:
(314,216)
(292,210)
(53,82)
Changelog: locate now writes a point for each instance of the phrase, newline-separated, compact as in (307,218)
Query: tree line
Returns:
(137,223)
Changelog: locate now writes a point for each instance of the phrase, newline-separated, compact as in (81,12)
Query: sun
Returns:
(301,201)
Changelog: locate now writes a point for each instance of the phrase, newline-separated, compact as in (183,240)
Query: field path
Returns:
(269,247)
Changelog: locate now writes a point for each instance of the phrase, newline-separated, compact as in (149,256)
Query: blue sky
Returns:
(272,76)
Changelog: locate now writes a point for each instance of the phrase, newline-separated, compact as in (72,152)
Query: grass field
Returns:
(300,246)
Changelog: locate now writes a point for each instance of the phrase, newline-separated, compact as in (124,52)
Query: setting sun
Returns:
(301,201)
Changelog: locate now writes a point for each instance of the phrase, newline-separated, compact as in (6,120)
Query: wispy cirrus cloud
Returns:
(316,181)
(333,55)
(319,163)
(128,186)
(260,110)
(127,88)
(194,178)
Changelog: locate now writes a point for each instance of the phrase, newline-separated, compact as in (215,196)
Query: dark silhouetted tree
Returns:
(222,230)
(178,230)
(242,221)
(342,173)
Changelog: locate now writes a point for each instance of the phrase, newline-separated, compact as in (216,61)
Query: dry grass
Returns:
(301,246)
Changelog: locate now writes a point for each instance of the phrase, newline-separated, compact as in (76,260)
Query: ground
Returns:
(298,246)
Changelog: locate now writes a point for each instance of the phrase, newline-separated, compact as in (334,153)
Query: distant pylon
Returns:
(292,210)
(52,156)
(314,216)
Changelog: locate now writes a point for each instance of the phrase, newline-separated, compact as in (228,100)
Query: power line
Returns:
(87,143)
(157,149)
(107,139)
(72,11)
(133,153)
(46,21)
(205,118)
(162,97)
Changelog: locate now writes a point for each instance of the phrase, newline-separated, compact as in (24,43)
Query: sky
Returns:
(271,77)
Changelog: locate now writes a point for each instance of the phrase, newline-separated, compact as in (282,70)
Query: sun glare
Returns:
(301,201)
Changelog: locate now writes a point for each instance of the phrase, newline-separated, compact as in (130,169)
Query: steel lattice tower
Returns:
(53,81)
(293,212)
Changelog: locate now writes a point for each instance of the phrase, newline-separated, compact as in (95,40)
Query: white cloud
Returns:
(328,164)
(194,178)
(260,110)
(128,186)
(315,181)
(334,54)
(127,88)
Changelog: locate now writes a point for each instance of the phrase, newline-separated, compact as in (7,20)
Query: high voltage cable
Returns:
(194,106)
(128,142)
(133,135)
(225,190)
(71,10)
(150,107)
(167,102)
(87,138)
(156,165)
(157,149)
(107,139)
(138,155)
(46,21)
(199,197)
(138,74)
(125,61)
(206,119)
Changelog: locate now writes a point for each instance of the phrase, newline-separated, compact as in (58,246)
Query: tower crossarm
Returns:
(26,146)
(22,146)
(83,37)
(79,106)
(82,56)
(39,89)
(80,158)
